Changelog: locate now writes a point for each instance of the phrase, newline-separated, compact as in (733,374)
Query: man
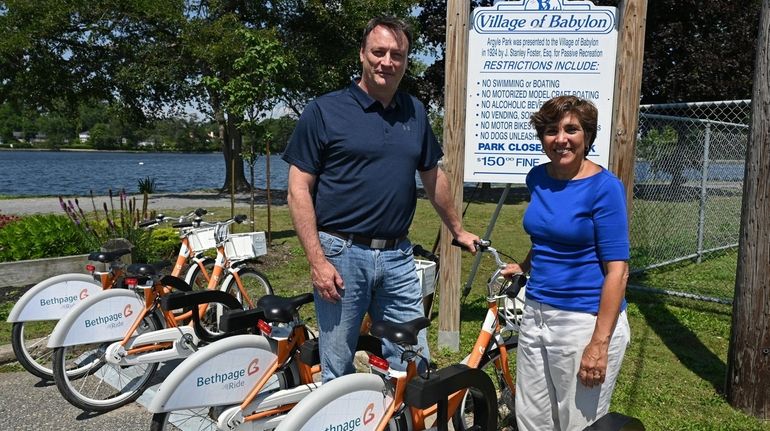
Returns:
(352,197)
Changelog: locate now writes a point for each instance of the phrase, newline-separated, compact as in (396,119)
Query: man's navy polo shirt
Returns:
(364,158)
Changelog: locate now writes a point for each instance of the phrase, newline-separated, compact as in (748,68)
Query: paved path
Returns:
(162,201)
(27,403)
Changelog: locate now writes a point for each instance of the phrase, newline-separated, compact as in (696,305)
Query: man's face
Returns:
(384,61)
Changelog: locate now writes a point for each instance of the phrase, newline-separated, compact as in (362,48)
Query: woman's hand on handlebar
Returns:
(511,269)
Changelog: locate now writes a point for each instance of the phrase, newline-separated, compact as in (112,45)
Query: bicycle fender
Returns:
(106,316)
(354,401)
(220,373)
(53,297)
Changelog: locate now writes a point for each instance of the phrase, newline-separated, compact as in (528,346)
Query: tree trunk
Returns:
(232,142)
(748,362)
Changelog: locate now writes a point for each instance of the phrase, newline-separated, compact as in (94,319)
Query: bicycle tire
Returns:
(102,387)
(254,282)
(33,354)
(464,417)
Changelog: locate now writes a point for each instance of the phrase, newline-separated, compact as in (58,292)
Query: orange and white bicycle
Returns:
(36,312)
(107,349)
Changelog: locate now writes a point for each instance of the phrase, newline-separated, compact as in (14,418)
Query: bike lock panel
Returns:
(423,393)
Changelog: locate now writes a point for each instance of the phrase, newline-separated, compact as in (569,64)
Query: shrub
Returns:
(40,236)
(164,244)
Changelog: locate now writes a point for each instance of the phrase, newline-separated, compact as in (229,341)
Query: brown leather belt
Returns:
(375,243)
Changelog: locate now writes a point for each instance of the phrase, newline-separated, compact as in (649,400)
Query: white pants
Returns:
(549,395)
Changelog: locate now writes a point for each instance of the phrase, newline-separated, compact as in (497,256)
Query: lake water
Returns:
(73,173)
(52,173)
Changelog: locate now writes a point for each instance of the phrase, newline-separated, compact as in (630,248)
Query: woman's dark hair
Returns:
(394,24)
(555,109)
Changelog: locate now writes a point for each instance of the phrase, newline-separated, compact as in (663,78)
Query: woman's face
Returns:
(564,142)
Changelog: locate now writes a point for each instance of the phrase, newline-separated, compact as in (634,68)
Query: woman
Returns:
(574,330)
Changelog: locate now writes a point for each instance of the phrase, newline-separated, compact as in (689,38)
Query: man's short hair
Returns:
(397,25)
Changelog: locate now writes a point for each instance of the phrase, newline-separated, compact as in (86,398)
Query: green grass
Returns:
(654,241)
(674,370)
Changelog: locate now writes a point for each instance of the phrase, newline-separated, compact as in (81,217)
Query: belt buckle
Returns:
(378,243)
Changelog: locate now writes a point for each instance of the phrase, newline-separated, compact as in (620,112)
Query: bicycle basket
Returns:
(242,246)
(202,238)
(426,272)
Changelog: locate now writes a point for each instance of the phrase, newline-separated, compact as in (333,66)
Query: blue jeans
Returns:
(381,282)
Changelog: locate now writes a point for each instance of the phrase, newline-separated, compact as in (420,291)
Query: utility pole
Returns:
(456,72)
(628,87)
(748,358)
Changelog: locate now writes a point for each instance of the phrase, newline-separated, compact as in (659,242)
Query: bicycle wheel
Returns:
(464,418)
(188,420)
(32,354)
(103,386)
(254,283)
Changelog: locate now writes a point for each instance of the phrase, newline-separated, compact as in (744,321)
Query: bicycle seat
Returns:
(108,256)
(400,333)
(238,320)
(282,310)
(191,299)
(146,269)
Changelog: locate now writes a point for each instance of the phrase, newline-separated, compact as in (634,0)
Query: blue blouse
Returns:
(574,226)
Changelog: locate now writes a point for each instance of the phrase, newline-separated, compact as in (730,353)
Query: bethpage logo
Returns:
(114,320)
(354,424)
(232,379)
(64,301)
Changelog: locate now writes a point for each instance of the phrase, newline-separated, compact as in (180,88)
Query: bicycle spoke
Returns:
(192,420)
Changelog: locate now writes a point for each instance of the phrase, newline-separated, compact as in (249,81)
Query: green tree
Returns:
(56,54)
(153,59)
(104,137)
(324,40)
(280,129)
(59,130)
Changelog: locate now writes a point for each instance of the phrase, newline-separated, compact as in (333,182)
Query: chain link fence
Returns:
(690,161)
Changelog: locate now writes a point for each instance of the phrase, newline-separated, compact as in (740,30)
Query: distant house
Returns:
(145,144)
(84,136)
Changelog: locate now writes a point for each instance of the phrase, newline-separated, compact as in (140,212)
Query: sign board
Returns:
(522,53)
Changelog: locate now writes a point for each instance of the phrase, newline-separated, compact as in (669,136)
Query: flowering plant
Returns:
(111,223)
